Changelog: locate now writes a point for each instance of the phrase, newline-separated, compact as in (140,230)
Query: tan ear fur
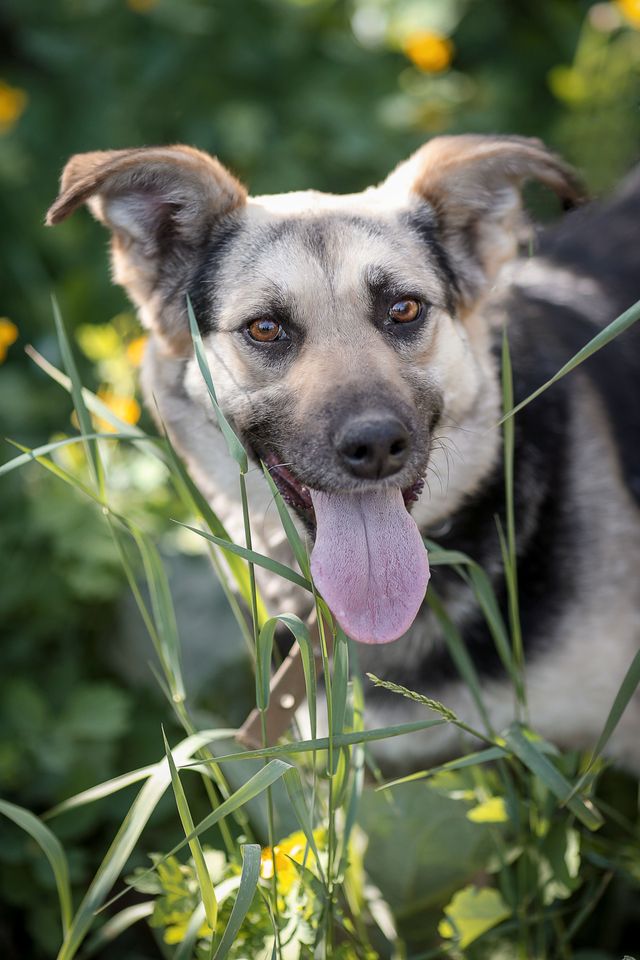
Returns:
(473,184)
(160,204)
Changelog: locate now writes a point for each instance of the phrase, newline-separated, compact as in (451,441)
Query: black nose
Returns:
(373,446)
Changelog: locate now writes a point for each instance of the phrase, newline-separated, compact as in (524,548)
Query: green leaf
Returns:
(204,880)
(278,568)
(470,913)
(234,445)
(244,897)
(528,752)
(52,849)
(471,760)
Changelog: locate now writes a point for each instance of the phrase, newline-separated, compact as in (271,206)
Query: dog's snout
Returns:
(373,446)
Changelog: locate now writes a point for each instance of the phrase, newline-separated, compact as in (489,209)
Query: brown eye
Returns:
(404,311)
(265,331)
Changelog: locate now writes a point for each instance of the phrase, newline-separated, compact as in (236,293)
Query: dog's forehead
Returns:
(303,245)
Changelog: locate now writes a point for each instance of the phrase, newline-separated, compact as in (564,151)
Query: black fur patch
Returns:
(202,288)
(422,223)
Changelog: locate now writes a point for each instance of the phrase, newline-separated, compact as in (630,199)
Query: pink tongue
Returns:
(369,562)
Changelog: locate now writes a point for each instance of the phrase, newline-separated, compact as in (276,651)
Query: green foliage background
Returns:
(289,94)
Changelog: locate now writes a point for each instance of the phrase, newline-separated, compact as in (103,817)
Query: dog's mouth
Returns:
(368,560)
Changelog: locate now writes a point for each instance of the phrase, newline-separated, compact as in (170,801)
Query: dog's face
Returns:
(339,329)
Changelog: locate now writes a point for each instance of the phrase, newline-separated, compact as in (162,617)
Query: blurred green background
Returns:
(289,94)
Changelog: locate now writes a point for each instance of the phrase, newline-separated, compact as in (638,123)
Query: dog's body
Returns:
(333,322)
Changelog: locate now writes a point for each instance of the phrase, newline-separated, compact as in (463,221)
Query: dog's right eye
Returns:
(266,331)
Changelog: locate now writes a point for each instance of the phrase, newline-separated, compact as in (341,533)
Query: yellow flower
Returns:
(292,847)
(8,335)
(135,351)
(125,407)
(176,932)
(13,101)
(430,52)
(630,9)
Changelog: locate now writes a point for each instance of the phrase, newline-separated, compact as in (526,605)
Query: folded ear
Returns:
(161,204)
(473,188)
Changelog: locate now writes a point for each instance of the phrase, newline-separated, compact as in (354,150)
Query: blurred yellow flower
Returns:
(8,335)
(291,848)
(175,933)
(430,52)
(135,351)
(13,102)
(630,9)
(124,407)
(141,6)
(98,341)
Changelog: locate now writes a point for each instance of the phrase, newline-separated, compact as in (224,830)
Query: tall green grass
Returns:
(546,864)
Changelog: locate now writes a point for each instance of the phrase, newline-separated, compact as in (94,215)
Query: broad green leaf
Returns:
(234,445)
(204,880)
(472,912)
(52,849)
(278,568)
(528,752)
(244,897)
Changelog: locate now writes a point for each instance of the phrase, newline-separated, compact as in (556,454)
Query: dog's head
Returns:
(339,329)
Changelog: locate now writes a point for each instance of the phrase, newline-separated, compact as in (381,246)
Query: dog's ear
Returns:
(160,204)
(473,185)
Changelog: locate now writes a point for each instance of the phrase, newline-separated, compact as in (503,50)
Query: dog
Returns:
(355,343)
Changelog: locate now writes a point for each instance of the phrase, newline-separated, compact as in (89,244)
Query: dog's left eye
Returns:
(265,330)
(405,311)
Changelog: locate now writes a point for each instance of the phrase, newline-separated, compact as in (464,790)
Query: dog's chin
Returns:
(296,493)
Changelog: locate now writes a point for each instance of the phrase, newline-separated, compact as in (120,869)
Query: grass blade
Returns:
(234,445)
(84,419)
(244,897)
(294,538)
(124,843)
(293,783)
(204,879)
(322,743)
(601,339)
(52,849)
(471,760)
(280,569)
(532,757)
(625,693)
(117,925)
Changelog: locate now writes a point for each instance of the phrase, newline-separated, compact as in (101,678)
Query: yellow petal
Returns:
(430,52)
